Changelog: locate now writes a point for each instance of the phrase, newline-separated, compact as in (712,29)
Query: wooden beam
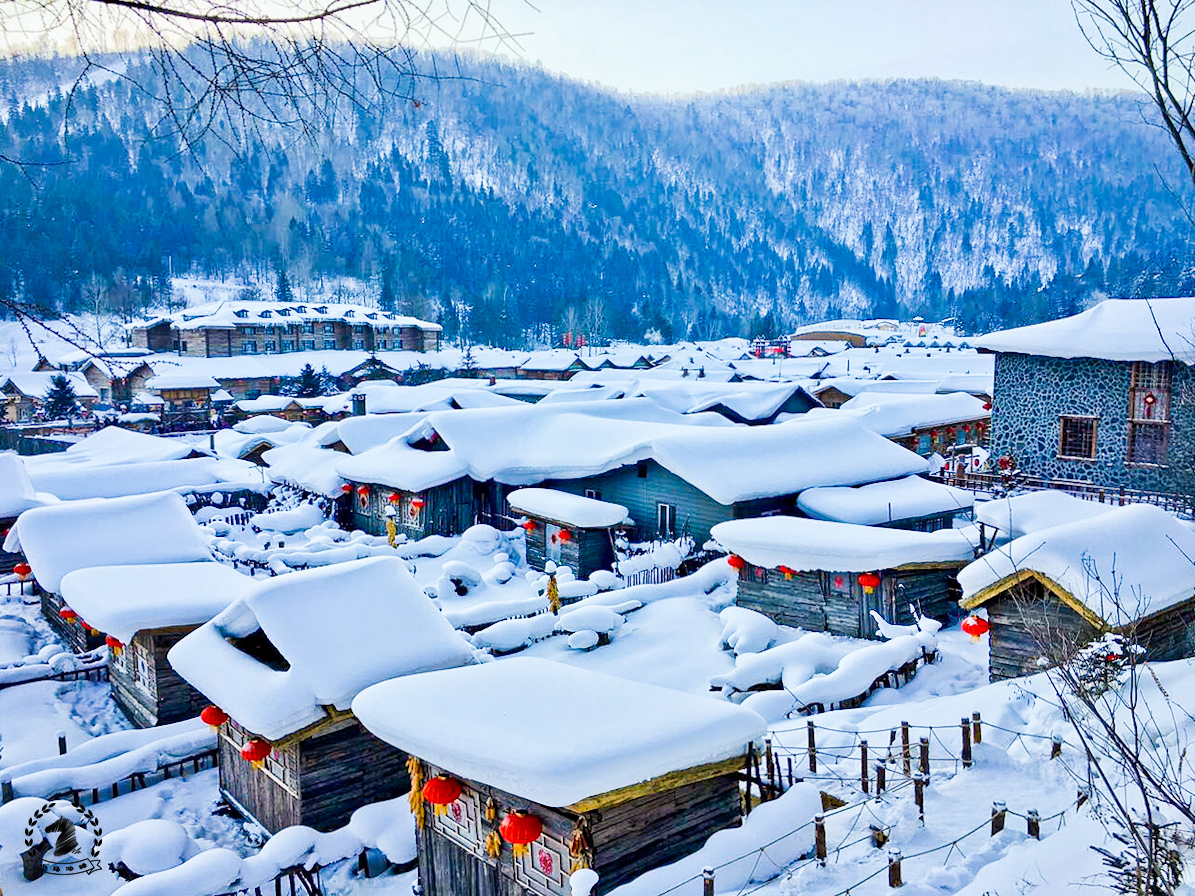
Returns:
(657,785)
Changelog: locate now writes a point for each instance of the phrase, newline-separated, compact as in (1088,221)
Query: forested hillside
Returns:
(510,200)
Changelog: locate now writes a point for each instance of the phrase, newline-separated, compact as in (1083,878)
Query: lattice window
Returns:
(1149,392)
(1147,443)
(1077,437)
(282,765)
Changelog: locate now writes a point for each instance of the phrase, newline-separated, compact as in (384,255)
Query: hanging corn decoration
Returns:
(415,797)
(391,532)
(553,594)
(490,812)
(493,844)
(580,846)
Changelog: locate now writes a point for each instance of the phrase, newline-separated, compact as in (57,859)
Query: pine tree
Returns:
(309,385)
(60,400)
(282,289)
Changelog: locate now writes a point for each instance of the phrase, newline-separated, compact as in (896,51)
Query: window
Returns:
(359,344)
(382,344)
(1077,437)
(666,519)
(308,345)
(241,312)
(309,327)
(271,346)
(329,328)
(924,446)
(288,345)
(1149,413)
(641,469)
(249,347)
(593,493)
(329,343)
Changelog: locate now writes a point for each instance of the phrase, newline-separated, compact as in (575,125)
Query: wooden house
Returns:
(630,778)
(823,576)
(912,502)
(922,422)
(24,393)
(567,529)
(58,539)
(148,608)
(1050,592)
(284,662)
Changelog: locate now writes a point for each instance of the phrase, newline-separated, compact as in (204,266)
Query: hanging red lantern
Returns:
(214,716)
(114,645)
(68,614)
(347,488)
(736,562)
(933,434)
(566,535)
(1004,462)
(22,570)
(786,571)
(394,498)
(520,829)
(256,750)
(441,791)
(987,405)
(975,626)
(869,581)
(951,432)
(417,503)
(363,491)
(529,525)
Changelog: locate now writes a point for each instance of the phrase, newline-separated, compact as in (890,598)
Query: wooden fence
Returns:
(1181,504)
(174,768)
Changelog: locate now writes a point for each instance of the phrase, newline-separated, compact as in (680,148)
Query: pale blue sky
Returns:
(682,46)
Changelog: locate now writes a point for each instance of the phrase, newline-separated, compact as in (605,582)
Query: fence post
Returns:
(61,743)
(1033,824)
(771,765)
(904,748)
(747,794)
(707,880)
(1056,746)
(919,795)
(819,838)
(6,794)
(998,812)
(879,836)
(881,779)
(894,869)
(966,726)
(923,744)
(976,728)
(811,733)
(863,782)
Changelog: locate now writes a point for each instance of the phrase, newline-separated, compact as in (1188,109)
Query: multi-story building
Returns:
(224,329)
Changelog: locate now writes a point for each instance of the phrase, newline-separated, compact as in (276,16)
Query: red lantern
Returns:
(1004,463)
(417,503)
(441,791)
(736,562)
(933,434)
(214,716)
(975,626)
(114,645)
(347,488)
(256,750)
(787,572)
(869,582)
(987,405)
(394,498)
(520,829)
(22,570)
(529,525)
(363,491)
(565,535)
(68,614)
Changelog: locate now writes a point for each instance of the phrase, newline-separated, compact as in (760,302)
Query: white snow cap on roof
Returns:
(895,414)
(181,381)
(16,489)
(35,384)
(84,481)
(1034,511)
(61,538)
(802,544)
(224,314)
(123,600)
(1114,330)
(621,732)
(883,502)
(116,445)
(562,507)
(340,628)
(1123,565)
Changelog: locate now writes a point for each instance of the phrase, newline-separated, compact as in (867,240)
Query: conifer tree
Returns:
(60,400)
(282,289)
(309,385)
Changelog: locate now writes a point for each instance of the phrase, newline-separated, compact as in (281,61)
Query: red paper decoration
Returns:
(736,562)
(442,790)
(114,645)
(520,828)
(214,716)
(68,614)
(22,570)
(869,581)
(256,750)
(975,626)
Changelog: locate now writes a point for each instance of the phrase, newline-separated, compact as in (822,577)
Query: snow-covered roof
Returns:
(554,359)
(339,629)
(181,381)
(1123,565)
(60,538)
(115,445)
(114,480)
(262,423)
(561,507)
(17,493)
(1034,511)
(123,600)
(883,502)
(225,314)
(895,414)
(616,734)
(1114,330)
(743,463)
(264,404)
(35,384)
(802,544)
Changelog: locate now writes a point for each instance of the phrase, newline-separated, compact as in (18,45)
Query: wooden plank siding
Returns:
(155,694)
(70,634)
(586,551)
(447,510)
(628,838)
(835,602)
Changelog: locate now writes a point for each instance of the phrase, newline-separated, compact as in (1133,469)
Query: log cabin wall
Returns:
(176,700)
(447,510)
(1028,622)
(344,768)
(586,551)
(270,795)
(71,634)
(1170,634)
(628,839)
(145,685)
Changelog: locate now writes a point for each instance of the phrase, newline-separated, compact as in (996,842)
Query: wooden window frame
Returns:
(1095,434)
(670,530)
(1149,411)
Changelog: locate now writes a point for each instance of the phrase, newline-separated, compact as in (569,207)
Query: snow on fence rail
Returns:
(101,765)
(63,666)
